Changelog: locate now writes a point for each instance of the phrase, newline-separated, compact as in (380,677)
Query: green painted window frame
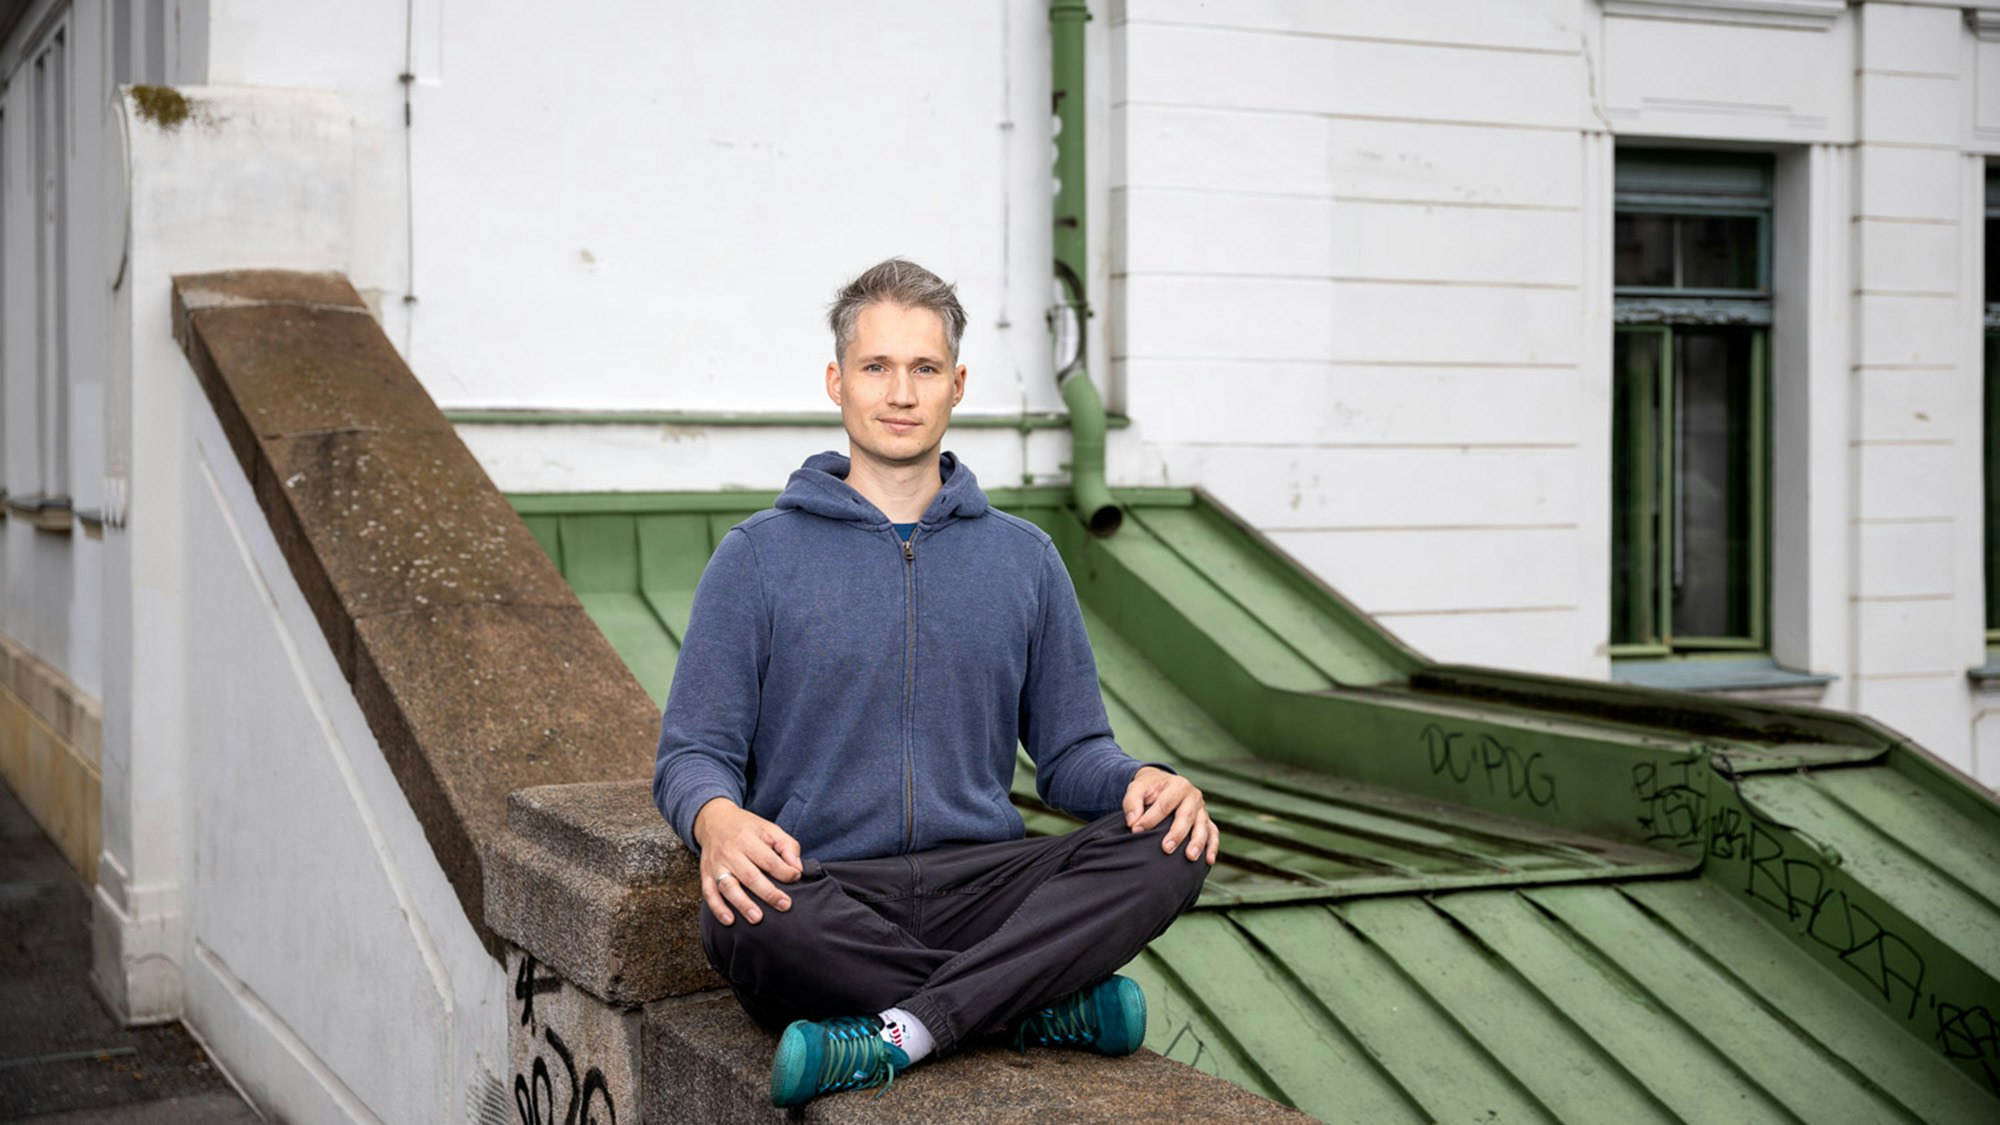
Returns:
(1697,184)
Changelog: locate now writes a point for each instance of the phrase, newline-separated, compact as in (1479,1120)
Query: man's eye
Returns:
(872,367)
(926,369)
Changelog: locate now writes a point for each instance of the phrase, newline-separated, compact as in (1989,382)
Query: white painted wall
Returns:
(266,878)
(1360,288)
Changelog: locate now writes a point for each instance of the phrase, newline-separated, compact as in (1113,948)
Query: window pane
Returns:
(1712,481)
(1635,492)
(1718,253)
(1992,261)
(1644,250)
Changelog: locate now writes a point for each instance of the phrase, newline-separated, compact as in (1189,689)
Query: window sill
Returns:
(1986,677)
(1754,677)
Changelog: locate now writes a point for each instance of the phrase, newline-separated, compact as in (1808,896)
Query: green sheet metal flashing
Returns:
(747,501)
(534,416)
(1703,672)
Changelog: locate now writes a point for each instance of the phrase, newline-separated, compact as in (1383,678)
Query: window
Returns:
(1992,407)
(1691,280)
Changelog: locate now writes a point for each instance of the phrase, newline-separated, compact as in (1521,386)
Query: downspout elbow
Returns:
(1088,491)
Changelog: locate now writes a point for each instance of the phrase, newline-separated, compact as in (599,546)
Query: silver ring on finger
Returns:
(721,875)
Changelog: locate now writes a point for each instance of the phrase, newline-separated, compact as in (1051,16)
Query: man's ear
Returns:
(833,381)
(958,386)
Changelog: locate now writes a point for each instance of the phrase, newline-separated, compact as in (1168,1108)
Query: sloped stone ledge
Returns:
(478,670)
(706,1061)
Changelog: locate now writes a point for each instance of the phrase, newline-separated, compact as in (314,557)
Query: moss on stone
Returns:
(164,106)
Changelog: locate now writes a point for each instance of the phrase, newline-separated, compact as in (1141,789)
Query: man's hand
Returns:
(1154,794)
(741,853)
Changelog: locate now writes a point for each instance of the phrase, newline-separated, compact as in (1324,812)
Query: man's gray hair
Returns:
(901,283)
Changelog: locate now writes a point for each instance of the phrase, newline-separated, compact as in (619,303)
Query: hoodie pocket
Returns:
(791,814)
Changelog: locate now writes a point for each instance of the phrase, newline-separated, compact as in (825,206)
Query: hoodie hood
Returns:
(820,487)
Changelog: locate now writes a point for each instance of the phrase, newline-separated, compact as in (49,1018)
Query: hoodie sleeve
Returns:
(712,708)
(1078,767)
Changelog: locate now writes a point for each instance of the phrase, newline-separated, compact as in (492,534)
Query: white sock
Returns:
(908,1032)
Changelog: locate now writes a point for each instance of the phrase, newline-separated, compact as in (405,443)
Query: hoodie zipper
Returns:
(909,688)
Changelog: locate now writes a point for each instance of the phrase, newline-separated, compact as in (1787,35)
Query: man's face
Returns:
(896,385)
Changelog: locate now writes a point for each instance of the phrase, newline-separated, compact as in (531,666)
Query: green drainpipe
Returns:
(1088,491)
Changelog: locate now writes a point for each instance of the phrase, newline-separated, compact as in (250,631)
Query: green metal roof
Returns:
(1468,894)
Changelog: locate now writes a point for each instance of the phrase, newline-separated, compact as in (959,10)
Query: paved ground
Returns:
(63,1059)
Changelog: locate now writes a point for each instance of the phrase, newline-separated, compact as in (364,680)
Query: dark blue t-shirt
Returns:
(904,530)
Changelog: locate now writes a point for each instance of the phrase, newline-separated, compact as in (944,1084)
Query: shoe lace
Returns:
(1066,1022)
(856,1056)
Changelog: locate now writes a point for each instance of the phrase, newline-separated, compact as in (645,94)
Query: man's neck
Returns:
(902,492)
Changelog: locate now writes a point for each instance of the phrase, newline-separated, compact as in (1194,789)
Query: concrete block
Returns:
(473,702)
(706,1061)
(573,1057)
(590,880)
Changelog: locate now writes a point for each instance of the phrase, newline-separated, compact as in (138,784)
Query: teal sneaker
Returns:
(827,1057)
(1108,1017)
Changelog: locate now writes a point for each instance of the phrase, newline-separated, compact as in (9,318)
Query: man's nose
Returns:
(903,389)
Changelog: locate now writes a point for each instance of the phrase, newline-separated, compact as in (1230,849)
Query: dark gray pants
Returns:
(965,938)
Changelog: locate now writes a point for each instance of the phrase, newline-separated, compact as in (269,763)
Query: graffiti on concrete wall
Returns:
(589,1099)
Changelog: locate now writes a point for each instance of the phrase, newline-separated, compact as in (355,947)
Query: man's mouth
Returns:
(900,425)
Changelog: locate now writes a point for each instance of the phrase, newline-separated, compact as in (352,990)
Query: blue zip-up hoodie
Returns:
(867,695)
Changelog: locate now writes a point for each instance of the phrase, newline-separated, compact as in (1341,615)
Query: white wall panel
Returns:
(1534,640)
(1900,560)
(1404,570)
(1933,710)
(1908,183)
(1174,146)
(679,206)
(1910,109)
(1539,25)
(1280,488)
(286,874)
(1909,257)
(1908,404)
(1223,401)
(1686,79)
(1909,635)
(1902,480)
(1268,73)
(1898,330)
(1348,321)
(1910,38)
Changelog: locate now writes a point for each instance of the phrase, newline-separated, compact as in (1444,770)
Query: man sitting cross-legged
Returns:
(839,742)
